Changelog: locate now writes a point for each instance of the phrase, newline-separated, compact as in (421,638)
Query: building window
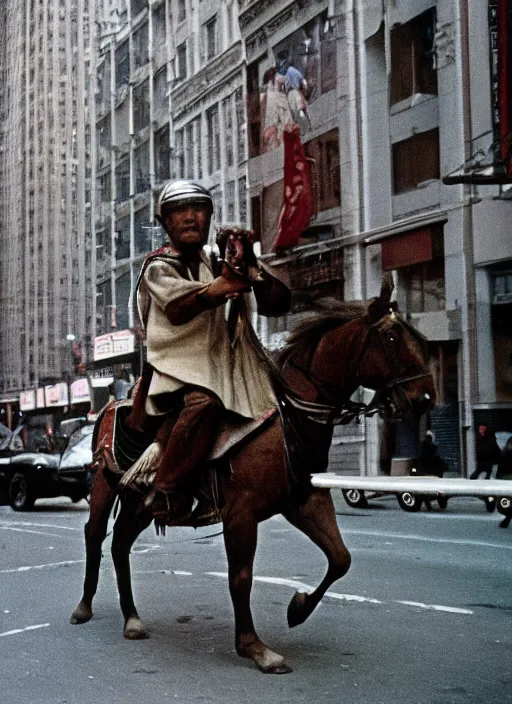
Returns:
(140,47)
(162,154)
(122,64)
(425,287)
(212,118)
(413,67)
(419,259)
(182,10)
(230,201)
(141,106)
(211,38)
(181,58)
(241,125)
(123,181)
(137,6)
(189,150)
(228,130)
(142,228)
(123,238)
(242,200)
(141,165)
(415,161)
(323,154)
(178,155)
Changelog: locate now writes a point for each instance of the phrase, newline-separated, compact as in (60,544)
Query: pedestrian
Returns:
(430,462)
(505,463)
(203,361)
(488,453)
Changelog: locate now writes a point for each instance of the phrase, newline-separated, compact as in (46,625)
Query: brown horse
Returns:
(325,361)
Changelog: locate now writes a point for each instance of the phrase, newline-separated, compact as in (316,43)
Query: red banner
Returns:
(297,201)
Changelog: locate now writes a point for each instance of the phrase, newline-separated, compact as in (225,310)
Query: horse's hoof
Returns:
(135,630)
(81,614)
(297,612)
(282,669)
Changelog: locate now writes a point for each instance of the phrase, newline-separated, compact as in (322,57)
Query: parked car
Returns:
(26,476)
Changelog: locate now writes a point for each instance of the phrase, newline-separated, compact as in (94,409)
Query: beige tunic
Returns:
(199,352)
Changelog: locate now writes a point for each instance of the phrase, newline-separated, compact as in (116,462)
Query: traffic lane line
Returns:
(37,525)
(28,568)
(346,597)
(425,539)
(40,532)
(15,631)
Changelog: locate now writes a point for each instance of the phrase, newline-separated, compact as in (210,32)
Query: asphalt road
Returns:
(424,615)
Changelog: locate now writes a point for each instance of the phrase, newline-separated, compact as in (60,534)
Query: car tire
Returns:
(355,498)
(21,496)
(490,503)
(409,502)
(443,502)
(505,505)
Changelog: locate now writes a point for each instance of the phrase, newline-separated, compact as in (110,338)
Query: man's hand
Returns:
(222,288)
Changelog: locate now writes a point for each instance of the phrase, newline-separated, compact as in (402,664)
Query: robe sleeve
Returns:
(165,284)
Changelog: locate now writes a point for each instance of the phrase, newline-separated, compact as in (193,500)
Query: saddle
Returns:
(132,455)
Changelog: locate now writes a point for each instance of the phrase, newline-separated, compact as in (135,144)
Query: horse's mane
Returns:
(332,314)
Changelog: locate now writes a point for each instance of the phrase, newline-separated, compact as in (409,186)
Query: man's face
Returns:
(187,225)
(482,430)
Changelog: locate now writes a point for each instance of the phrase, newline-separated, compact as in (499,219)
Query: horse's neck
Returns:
(327,370)
(335,362)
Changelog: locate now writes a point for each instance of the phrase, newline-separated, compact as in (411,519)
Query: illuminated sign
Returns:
(113,344)
(80,391)
(56,395)
(28,400)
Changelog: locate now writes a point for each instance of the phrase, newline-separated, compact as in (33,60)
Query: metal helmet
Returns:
(182,192)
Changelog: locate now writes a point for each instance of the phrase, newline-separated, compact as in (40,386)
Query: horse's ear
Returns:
(387,287)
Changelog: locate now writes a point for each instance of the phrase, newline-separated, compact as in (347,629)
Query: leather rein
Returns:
(334,413)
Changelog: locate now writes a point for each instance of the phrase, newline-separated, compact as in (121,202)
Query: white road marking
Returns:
(28,568)
(38,532)
(303,587)
(436,607)
(149,548)
(347,597)
(422,538)
(37,525)
(22,630)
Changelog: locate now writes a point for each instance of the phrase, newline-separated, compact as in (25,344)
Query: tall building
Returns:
(169,103)
(45,314)
(406,129)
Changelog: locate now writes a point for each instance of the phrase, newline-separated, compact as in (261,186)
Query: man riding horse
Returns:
(203,363)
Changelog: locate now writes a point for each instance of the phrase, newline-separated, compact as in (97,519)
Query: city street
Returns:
(424,615)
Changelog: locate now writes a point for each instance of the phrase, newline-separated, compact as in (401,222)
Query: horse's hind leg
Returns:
(240,537)
(317,519)
(103,494)
(129,525)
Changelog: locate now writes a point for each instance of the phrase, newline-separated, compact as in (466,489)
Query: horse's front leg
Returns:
(103,493)
(240,538)
(129,525)
(317,519)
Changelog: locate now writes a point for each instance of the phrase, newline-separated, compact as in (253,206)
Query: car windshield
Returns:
(5,436)
(79,450)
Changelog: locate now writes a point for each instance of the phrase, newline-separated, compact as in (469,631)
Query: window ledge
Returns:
(410,102)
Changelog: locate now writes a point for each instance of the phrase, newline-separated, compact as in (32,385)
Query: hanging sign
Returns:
(56,395)
(28,400)
(113,344)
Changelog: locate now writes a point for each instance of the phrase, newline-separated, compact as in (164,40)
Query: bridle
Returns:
(335,413)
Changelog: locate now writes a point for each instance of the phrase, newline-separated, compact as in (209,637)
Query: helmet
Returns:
(182,192)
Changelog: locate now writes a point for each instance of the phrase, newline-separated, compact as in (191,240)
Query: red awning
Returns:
(407,249)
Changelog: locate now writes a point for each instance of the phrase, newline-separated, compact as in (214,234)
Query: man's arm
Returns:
(184,309)
(272,295)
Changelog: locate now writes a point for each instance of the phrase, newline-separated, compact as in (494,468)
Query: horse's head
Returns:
(394,357)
